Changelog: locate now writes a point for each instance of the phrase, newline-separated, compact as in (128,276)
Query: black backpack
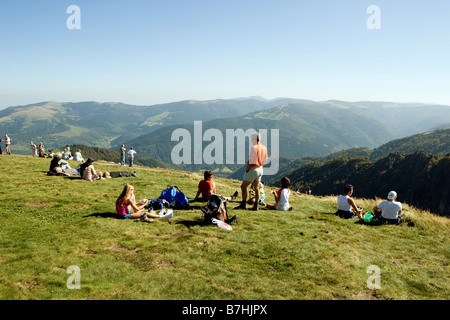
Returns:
(157,204)
(217,208)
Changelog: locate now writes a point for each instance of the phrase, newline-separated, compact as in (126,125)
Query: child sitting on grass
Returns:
(252,196)
(282,196)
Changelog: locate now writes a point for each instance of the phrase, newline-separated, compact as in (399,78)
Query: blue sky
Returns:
(146,51)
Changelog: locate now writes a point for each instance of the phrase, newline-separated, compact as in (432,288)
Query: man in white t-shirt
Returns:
(131,154)
(389,211)
(7,142)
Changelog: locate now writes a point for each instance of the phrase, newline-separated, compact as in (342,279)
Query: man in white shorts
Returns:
(254,171)
(389,211)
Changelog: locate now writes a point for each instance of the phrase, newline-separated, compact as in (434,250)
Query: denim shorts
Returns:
(126,216)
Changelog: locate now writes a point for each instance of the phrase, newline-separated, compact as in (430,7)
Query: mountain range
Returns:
(110,124)
(306,128)
(434,142)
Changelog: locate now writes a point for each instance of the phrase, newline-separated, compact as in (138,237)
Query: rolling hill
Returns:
(57,124)
(434,142)
(305,129)
(305,254)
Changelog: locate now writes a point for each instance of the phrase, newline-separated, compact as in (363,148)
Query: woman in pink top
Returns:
(127,200)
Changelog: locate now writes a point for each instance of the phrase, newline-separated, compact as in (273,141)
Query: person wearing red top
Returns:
(254,171)
(206,187)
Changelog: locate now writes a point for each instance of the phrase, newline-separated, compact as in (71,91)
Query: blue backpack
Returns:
(174,197)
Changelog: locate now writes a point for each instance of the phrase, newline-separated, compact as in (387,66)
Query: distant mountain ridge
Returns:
(108,124)
(435,142)
(307,128)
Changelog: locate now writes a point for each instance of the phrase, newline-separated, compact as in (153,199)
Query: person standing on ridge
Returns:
(7,142)
(33,149)
(131,154)
(122,152)
(254,171)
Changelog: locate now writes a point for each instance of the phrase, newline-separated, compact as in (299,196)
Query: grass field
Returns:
(50,223)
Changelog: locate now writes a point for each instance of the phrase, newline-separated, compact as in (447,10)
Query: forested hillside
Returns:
(421,179)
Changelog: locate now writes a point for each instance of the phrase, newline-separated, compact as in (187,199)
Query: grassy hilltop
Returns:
(50,223)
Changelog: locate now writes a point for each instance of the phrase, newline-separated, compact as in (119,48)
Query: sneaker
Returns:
(261,203)
(144,218)
(242,206)
(234,196)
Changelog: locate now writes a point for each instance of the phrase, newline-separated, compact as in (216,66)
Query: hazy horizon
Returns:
(238,98)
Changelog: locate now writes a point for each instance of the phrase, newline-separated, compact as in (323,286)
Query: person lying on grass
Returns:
(127,201)
(282,196)
(346,205)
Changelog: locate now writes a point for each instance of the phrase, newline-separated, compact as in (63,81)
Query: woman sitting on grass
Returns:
(88,172)
(77,156)
(282,196)
(127,200)
(55,166)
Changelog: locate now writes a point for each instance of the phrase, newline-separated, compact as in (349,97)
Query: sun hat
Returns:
(392,195)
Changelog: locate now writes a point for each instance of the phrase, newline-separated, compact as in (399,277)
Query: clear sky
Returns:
(154,51)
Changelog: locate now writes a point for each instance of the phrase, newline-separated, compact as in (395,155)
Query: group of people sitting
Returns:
(86,170)
(126,202)
(67,155)
(207,187)
(59,166)
(388,211)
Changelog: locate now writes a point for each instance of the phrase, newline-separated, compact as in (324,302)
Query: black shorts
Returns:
(391,221)
(344,214)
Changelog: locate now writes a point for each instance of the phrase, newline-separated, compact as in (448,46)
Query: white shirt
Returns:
(8,140)
(343,203)
(284,197)
(131,153)
(390,209)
